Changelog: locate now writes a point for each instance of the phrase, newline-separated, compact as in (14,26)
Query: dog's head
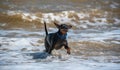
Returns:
(63,28)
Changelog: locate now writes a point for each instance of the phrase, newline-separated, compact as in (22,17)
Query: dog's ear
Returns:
(57,25)
(69,26)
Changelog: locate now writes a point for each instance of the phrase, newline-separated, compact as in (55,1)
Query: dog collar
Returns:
(61,36)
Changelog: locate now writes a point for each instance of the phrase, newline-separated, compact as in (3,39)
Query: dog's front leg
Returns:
(68,49)
(50,49)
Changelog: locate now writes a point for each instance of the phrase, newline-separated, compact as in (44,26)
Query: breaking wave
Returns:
(79,20)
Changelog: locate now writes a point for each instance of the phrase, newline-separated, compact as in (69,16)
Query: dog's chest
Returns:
(59,44)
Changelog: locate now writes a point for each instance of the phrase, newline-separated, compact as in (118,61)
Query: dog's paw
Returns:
(68,52)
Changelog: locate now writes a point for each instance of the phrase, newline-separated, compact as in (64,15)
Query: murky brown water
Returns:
(58,5)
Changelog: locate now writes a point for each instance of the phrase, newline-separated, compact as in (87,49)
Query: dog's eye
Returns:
(64,27)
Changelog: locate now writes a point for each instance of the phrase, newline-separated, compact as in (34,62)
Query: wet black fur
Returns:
(53,41)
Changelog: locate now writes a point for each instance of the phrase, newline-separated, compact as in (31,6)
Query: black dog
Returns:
(58,39)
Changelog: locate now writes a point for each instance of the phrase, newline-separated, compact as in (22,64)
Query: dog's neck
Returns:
(61,36)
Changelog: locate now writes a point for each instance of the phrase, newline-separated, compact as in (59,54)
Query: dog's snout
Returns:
(65,30)
(63,26)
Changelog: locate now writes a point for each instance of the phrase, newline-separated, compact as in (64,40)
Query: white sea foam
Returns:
(63,18)
(83,15)
(20,43)
(64,65)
